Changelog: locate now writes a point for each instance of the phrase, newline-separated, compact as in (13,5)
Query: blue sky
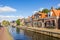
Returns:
(24,8)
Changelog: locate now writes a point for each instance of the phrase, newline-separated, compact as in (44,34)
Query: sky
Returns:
(14,9)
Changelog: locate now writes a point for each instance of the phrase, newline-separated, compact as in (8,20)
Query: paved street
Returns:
(4,34)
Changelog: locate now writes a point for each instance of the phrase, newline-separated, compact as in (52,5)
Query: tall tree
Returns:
(18,21)
(45,10)
(5,23)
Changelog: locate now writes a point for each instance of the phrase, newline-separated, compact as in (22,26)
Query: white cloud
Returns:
(58,5)
(2,16)
(34,12)
(38,10)
(41,9)
(9,18)
(7,9)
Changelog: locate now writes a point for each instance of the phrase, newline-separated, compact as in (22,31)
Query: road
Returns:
(4,34)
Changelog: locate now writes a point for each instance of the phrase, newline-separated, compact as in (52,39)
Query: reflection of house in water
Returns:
(51,19)
(22,32)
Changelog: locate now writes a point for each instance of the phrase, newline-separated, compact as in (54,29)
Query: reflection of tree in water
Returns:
(17,30)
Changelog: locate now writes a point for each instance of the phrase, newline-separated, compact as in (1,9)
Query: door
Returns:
(59,23)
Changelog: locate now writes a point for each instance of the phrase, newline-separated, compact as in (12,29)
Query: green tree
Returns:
(5,23)
(45,10)
(18,21)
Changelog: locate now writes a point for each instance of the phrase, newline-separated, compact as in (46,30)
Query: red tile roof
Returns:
(55,12)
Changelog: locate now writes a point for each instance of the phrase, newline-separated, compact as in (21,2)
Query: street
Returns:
(4,34)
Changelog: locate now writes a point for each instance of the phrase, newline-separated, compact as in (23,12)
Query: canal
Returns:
(28,35)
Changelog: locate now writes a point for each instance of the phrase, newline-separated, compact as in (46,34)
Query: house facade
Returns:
(45,20)
(38,19)
(53,19)
(55,14)
(28,21)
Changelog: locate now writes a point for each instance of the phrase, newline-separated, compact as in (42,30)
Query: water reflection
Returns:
(38,36)
(28,35)
(17,30)
(18,34)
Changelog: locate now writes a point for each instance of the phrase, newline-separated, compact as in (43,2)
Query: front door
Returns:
(59,23)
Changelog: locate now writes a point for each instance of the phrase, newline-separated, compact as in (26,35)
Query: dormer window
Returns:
(49,14)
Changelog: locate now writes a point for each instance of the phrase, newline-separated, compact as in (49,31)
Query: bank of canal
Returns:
(29,35)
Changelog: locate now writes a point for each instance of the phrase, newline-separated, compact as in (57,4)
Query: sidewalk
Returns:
(43,29)
(46,29)
(4,34)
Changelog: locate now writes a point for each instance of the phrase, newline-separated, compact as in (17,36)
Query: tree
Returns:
(5,23)
(45,10)
(18,21)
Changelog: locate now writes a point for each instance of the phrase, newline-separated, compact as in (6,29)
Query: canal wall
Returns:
(49,32)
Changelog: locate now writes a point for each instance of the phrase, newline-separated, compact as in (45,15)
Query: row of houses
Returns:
(45,20)
(13,23)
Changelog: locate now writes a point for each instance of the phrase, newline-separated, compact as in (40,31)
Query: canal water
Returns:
(18,35)
(29,35)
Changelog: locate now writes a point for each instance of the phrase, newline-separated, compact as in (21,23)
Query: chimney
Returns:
(52,8)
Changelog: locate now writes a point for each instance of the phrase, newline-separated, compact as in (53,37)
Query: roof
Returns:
(42,15)
(55,12)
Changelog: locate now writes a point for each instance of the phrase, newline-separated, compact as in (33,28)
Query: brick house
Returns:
(28,21)
(55,14)
(50,19)
(38,18)
(53,19)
